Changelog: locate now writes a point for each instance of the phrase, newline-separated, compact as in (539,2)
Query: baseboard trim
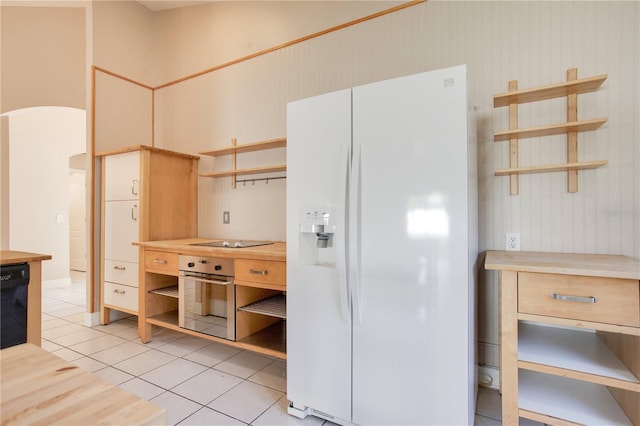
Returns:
(489,377)
(92,319)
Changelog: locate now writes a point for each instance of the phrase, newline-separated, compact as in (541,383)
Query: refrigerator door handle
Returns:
(341,246)
(354,233)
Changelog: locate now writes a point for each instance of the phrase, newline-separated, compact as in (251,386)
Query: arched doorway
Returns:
(40,142)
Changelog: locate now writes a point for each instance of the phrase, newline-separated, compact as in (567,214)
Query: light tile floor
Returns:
(197,382)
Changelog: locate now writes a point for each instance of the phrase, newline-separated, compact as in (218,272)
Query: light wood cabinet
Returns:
(569,337)
(260,294)
(161,262)
(147,193)
(261,273)
(262,305)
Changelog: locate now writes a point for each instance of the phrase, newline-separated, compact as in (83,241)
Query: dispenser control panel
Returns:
(319,220)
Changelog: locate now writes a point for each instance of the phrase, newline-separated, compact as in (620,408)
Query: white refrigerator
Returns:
(381,253)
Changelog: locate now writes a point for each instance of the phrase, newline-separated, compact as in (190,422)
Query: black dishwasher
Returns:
(14,283)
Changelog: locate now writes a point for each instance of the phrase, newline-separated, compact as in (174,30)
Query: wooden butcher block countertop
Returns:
(595,265)
(40,388)
(275,251)
(8,257)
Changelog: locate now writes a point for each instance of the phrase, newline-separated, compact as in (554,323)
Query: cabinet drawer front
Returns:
(606,300)
(161,261)
(121,272)
(261,271)
(121,296)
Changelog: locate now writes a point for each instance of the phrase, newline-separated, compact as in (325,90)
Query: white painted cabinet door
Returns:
(121,225)
(122,176)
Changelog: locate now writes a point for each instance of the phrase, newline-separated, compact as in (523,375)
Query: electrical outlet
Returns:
(226,218)
(513,241)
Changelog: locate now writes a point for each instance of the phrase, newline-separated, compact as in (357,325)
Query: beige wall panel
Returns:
(532,42)
(43,57)
(123,38)
(4,183)
(123,113)
(192,39)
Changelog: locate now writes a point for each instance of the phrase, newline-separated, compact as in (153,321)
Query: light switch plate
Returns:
(226,218)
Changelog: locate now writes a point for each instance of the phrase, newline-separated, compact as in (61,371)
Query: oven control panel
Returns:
(207,265)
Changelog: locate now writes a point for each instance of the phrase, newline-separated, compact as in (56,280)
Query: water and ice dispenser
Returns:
(317,229)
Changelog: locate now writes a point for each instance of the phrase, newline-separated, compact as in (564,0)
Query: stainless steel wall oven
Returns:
(207,299)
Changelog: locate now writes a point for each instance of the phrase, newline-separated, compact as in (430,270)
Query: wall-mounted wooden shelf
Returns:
(239,172)
(250,147)
(235,149)
(551,168)
(553,129)
(570,88)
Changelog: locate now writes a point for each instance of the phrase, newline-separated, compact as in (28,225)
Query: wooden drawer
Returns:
(267,272)
(121,272)
(605,300)
(161,261)
(121,296)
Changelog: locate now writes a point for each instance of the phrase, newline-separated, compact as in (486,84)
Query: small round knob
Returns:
(218,267)
(191,264)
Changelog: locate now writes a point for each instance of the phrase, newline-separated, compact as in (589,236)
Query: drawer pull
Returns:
(160,261)
(119,268)
(581,299)
(116,291)
(258,272)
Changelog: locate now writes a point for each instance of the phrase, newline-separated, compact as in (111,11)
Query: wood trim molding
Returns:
(293,42)
(122,77)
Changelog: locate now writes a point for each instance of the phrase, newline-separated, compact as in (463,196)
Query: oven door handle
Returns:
(203,280)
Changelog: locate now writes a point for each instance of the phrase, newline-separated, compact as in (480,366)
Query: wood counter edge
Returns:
(275,251)
(593,265)
(8,257)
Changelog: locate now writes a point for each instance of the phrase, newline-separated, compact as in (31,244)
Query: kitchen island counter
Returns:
(8,257)
(34,292)
(40,388)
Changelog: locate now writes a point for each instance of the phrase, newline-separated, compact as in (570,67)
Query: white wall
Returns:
(41,140)
(532,42)
(42,64)
(123,38)
(191,39)
(4,183)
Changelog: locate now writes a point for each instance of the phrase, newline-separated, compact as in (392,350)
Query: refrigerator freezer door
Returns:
(318,324)
(411,343)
